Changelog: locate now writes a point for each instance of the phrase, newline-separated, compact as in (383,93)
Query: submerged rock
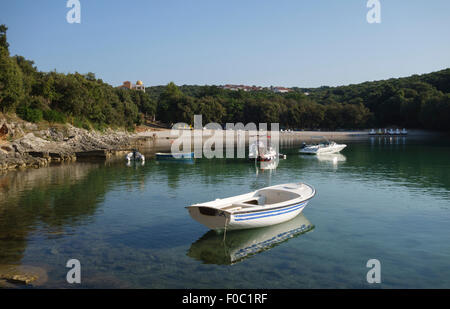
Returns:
(17,275)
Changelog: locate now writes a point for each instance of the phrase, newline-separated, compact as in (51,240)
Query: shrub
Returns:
(53,116)
(29,114)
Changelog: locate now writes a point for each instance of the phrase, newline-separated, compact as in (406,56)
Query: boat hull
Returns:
(322,150)
(175,156)
(135,157)
(249,220)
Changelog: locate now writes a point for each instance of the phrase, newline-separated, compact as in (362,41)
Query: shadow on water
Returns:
(236,246)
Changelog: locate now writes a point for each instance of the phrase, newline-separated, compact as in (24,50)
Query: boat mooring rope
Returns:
(225,227)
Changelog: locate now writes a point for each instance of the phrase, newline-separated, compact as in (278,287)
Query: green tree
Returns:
(11,84)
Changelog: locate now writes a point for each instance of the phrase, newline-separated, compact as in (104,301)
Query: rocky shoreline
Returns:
(25,145)
(29,145)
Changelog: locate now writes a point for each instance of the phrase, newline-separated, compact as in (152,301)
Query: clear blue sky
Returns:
(305,43)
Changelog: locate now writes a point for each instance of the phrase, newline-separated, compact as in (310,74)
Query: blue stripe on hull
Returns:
(270,213)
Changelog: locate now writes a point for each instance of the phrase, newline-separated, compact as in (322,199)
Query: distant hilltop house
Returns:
(280,89)
(256,88)
(242,87)
(128,85)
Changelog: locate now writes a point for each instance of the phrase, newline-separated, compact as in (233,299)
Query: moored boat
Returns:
(321,148)
(264,207)
(135,156)
(174,156)
(258,151)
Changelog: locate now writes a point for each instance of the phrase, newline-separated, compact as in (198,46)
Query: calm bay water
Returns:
(381,198)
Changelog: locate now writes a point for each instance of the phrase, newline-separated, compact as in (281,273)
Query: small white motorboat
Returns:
(391,132)
(372,132)
(264,207)
(404,132)
(258,151)
(135,156)
(322,148)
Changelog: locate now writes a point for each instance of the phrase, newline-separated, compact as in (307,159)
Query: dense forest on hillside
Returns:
(80,99)
(419,101)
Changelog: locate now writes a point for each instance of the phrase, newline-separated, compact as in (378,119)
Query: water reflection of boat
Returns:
(135,163)
(269,165)
(213,248)
(328,158)
(331,157)
(175,161)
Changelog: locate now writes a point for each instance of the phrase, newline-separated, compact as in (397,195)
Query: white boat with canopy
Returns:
(258,151)
(321,148)
(264,207)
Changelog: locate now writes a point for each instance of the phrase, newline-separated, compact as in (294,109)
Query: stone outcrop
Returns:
(23,144)
(4,132)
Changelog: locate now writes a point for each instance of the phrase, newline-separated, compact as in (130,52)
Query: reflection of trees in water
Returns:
(52,198)
(201,170)
(422,164)
(216,171)
(173,170)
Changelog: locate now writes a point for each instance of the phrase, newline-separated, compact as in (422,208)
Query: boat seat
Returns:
(258,200)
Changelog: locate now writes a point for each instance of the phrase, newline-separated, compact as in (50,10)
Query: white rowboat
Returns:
(264,207)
